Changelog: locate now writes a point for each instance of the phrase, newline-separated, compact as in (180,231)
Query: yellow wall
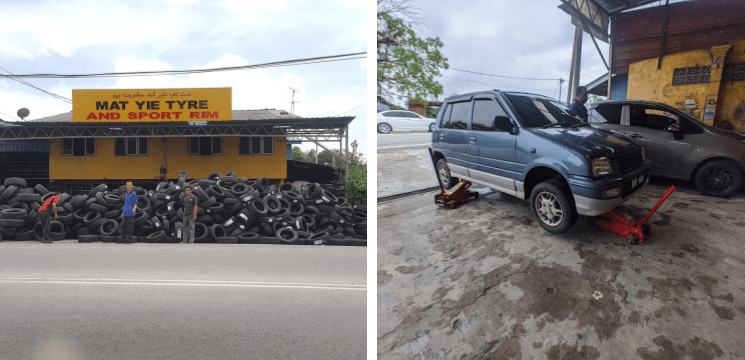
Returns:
(648,83)
(107,166)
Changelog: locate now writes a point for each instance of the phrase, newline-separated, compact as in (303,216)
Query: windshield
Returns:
(542,112)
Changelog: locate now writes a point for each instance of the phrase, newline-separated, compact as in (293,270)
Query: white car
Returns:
(403,120)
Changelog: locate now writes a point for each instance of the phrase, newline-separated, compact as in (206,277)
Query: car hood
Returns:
(727,133)
(589,140)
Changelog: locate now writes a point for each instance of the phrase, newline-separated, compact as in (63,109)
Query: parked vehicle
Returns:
(403,120)
(678,146)
(530,146)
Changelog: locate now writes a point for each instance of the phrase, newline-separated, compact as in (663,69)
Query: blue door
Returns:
(495,148)
(452,137)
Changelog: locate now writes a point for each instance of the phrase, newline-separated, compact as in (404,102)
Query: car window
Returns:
(484,111)
(537,111)
(388,114)
(609,114)
(445,122)
(459,115)
(651,118)
(689,127)
(411,115)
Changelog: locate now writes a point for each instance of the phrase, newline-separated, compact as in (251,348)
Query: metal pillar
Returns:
(610,61)
(346,154)
(576,61)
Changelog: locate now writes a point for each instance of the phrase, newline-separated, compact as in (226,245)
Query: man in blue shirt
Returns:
(128,214)
(578,105)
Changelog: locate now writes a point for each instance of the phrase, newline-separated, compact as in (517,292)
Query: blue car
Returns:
(531,146)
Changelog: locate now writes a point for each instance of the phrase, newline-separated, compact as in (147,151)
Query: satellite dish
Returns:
(22,113)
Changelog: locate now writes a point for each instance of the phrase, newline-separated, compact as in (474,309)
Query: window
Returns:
(79,146)
(131,146)
(457,114)
(445,122)
(205,145)
(610,114)
(733,72)
(652,118)
(538,111)
(255,145)
(691,75)
(484,112)
(689,127)
(410,115)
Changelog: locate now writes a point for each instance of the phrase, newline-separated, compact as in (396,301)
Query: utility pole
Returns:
(292,102)
(561,82)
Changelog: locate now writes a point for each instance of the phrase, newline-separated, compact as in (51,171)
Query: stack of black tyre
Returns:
(230,210)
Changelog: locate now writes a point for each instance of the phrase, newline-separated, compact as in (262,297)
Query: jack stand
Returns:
(457,195)
(623,225)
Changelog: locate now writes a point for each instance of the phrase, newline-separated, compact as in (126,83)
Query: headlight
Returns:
(601,166)
(644,154)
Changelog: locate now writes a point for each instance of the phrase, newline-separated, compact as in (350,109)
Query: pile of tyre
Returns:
(230,210)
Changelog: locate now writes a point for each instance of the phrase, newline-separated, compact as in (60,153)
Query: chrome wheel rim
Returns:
(384,128)
(549,209)
(444,175)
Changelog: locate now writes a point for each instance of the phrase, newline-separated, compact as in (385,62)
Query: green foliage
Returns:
(432,112)
(298,154)
(407,64)
(356,188)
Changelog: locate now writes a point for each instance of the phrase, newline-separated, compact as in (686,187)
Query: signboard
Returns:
(152,105)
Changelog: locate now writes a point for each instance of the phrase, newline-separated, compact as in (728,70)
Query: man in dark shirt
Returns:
(128,214)
(578,105)
(190,216)
(45,210)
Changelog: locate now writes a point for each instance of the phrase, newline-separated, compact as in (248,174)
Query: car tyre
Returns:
(431,127)
(384,128)
(550,204)
(443,171)
(719,178)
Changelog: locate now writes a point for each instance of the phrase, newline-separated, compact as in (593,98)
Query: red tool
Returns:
(457,195)
(623,225)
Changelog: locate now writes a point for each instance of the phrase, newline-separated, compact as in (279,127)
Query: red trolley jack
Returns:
(623,225)
(457,195)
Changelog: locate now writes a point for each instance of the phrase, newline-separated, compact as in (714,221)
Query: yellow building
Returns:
(708,84)
(254,143)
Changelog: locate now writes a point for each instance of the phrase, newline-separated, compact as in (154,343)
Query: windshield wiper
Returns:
(551,125)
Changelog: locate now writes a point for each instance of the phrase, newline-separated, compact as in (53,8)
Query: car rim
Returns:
(444,176)
(549,209)
(384,128)
(718,180)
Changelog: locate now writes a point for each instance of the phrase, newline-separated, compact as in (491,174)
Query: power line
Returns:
(59,97)
(314,60)
(352,109)
(500,76)
(8,115)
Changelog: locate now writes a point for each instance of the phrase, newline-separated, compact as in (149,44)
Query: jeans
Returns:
(127,227)
(46,218)
(187,228)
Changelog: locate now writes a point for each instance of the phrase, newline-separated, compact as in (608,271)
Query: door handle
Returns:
(472,138)
(635,135)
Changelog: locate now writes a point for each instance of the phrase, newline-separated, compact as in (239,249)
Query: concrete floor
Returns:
(485,281)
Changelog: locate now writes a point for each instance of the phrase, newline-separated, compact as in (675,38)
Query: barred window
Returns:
(733,72)
(692,75)
(79,146)
(250,145)
(130,146)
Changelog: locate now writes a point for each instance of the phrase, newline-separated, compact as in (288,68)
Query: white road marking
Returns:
(185,283)
(401,146)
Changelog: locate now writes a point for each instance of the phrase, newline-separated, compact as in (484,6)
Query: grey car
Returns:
(679,146)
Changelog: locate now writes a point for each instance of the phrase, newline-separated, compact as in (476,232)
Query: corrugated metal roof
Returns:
(242,115)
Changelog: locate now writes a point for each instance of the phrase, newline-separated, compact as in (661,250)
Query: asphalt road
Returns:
(178,301)
(404,140)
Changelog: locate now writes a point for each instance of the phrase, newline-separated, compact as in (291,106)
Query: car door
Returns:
(452,137)
(607,116)
(648,128)
(414,121)
(396,120)
(495,149)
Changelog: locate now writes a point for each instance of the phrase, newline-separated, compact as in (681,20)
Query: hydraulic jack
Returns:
(623,225)
(457,195)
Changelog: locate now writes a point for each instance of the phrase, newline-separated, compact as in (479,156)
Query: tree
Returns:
(298,155)
(356,188)
(407,64)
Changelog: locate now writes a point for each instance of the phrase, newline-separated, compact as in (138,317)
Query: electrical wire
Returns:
(9,115)
(501,76)
(352,109)
(314,60)
(59,97)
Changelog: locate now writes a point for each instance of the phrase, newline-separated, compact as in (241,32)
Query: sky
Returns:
(74,37)
(529,39)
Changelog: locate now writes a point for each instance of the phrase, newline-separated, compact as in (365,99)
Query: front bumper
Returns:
(590,195)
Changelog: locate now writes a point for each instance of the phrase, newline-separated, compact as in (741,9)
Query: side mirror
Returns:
(675,129)
(503,123)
